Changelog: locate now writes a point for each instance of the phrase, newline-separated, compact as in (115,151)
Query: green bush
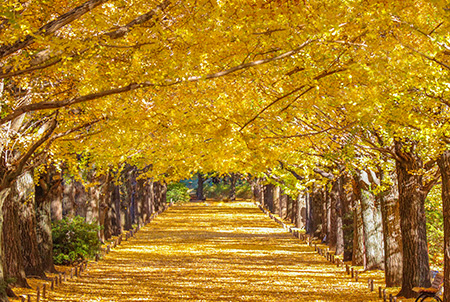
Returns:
(177,192)
(74,240)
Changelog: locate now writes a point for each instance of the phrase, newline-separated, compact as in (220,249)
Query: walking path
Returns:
(213,252)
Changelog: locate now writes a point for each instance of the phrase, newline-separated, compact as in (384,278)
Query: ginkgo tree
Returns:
(226,86)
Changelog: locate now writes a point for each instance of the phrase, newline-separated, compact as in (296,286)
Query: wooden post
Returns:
(347,269)
(56,281)
(76,271)
(356,276)
(315,246)
(44,291)
(52,284)
(38,294)
(65,276)
(71,273)
(384,295)
(370,285)
(60,278)
(353,273)
(379,292)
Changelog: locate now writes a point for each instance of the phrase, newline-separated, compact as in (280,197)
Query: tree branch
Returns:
(133,86)
(51,27)
(123,30)
(323,173)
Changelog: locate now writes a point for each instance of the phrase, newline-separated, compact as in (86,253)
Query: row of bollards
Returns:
(42,291)
(325,252)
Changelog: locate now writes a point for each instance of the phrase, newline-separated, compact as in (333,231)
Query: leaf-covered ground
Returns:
(213,252)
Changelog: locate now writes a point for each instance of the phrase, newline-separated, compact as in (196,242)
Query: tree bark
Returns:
(373,242)
(393,257)
(268,196)
(28,226)
(359,254)
(276,200)
(336,231)
(412,194)
(12,261)
(233,179)
(3,285)
(200,195)
(48,187)
(444,166)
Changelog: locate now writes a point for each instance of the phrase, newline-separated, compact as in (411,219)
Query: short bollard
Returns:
(356,276)
(52,284)
(44,291)
(353,273)
(379,292)
(347,269)
(38,294)
(371,285)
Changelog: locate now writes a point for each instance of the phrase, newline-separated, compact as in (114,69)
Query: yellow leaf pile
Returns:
(214,251)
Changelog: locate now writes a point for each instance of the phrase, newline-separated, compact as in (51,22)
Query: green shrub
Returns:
(177,192)
(74,240)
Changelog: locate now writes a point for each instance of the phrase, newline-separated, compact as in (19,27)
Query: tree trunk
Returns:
(444,166)
(301,208)
(48,187)
(28,226)
(336,231)
(104,206)
(200,195)
(12,261)
(116,217)
(268,196)
(393,258)
(359,255)
(68,198)
(416,270)
(233,179)
(276,200)
(3,285)
(283,206)
(256,189)
(373,243)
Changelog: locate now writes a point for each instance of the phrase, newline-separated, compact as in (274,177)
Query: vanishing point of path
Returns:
(213,252)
